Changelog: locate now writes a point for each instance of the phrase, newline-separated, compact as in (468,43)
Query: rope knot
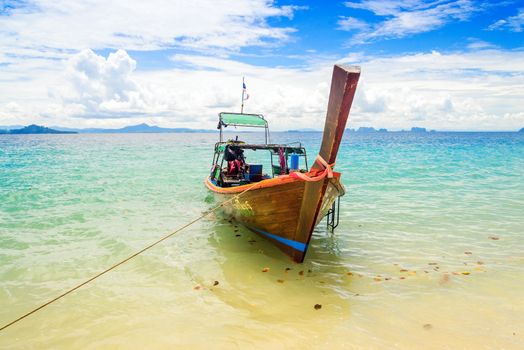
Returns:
(316,175)
(327,167)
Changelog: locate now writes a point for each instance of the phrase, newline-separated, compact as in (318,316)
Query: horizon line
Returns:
(366,129)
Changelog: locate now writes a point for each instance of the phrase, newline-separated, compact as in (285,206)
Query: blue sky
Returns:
(443,64)
(316,30)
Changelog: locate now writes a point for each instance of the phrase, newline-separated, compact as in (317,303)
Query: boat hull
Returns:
(273,209)
(286,209)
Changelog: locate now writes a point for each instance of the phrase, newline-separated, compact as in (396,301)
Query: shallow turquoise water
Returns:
(429,252)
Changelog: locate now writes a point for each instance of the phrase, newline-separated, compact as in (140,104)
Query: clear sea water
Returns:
(429,253)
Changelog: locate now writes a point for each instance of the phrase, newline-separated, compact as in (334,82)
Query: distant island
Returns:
(303,130)
(140,128)
(35,129)
(145,128)
(367,130)
(415,129)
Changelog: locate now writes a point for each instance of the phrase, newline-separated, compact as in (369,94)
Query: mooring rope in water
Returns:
(126,259)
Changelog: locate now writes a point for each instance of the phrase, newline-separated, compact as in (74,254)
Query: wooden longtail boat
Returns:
(284,207)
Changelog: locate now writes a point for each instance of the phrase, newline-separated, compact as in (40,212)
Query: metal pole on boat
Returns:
(242,105)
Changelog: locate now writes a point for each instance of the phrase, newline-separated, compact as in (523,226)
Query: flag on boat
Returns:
(245,95)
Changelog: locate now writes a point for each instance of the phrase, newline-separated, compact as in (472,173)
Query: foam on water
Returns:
(429,252)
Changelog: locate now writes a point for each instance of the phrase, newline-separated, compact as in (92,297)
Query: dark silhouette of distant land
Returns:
(145,128)
(304,130)
(364,129)
(140,128)
(35,129)
(370,130)
(415,129)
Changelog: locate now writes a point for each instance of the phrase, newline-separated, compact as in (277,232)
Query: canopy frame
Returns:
(258,121)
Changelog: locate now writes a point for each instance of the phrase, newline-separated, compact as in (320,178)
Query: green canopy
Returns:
(242,119)
(221,146)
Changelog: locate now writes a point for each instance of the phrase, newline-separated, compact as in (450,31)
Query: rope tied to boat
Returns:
(325,171)
(127,259)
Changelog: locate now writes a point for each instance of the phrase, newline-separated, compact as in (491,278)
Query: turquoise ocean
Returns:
(429,253)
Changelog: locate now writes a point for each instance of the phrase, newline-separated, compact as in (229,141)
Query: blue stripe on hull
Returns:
(293,244)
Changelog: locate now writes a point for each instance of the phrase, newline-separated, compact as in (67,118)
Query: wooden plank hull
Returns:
(286,209)
(273,210)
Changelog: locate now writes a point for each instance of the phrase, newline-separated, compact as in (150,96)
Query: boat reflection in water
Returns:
(252,268)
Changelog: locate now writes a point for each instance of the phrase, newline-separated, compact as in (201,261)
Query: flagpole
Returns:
(242,106)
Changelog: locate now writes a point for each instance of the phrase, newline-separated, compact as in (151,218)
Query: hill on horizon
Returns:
(139,128)
(35,129)
(146,128)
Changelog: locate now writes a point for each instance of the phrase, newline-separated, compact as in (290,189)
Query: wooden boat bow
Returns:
(286,208)
(343,87)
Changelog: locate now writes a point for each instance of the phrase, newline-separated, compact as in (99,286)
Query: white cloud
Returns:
(477,90)
(403,18)
(351,23)
(43,28)
(512,23)
(42,39)
(474,90)
(51,75)
(103,87)
(476,44)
